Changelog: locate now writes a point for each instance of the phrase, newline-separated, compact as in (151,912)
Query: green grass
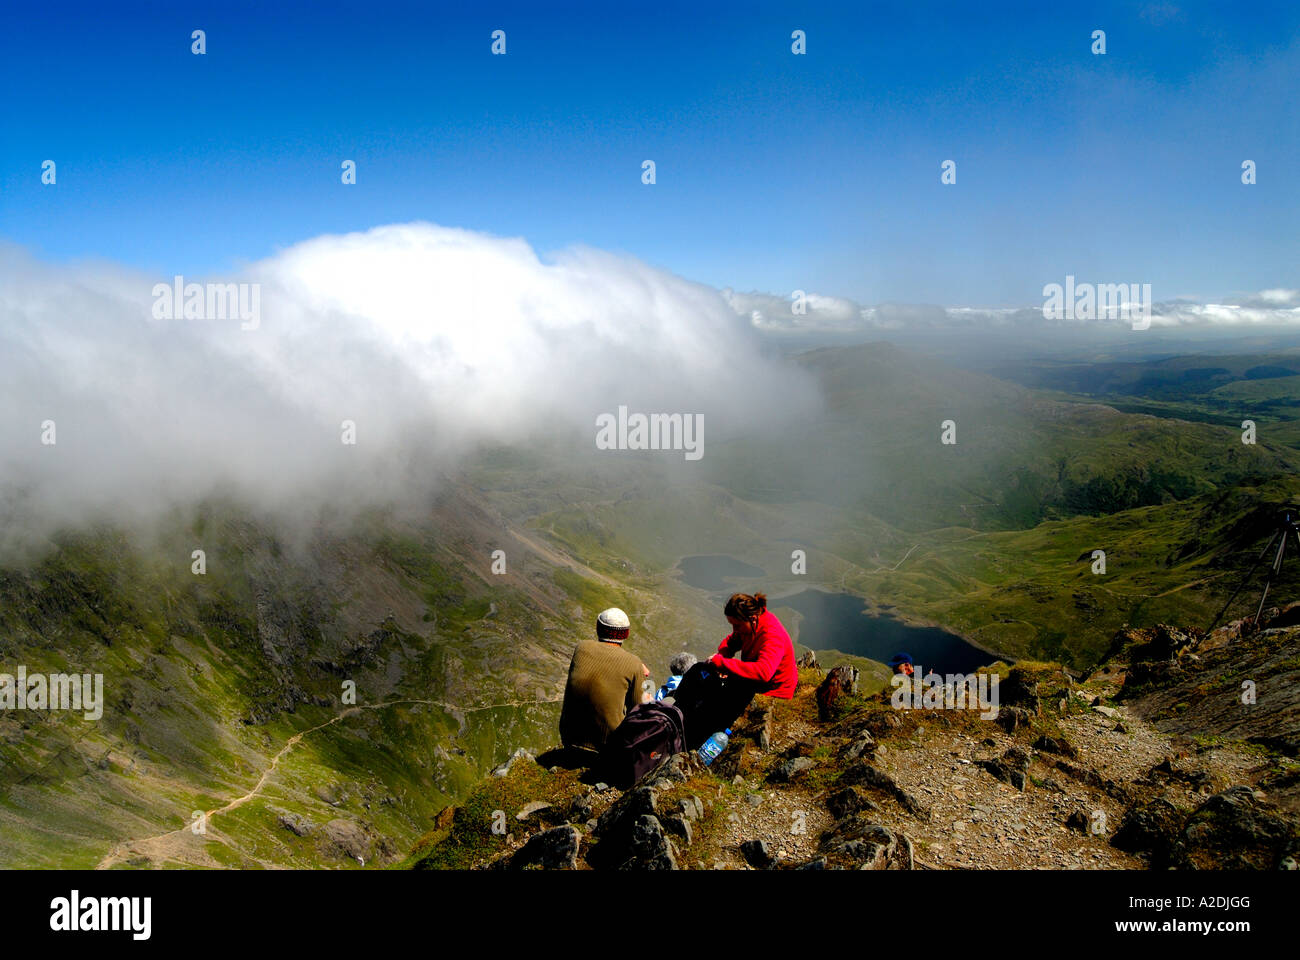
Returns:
(470,839)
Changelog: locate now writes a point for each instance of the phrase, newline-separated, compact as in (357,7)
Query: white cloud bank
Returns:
(431,339)
(773,314)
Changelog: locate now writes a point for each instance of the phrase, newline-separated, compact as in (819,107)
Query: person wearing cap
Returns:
(902,663)
(605,682)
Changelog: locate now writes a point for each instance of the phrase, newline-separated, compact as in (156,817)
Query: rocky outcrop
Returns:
(841,681)
(295,823)
(1012,767)
(1057,745)
(554,849)
(790,769)
(630,835)
(1149,828)
(863,746)
(757,854)
(355,839)
(649,848)
(1232,830)
(864,844)
(844,803)
(1236,830)
(1248,689)
(1011,719)
(863,773)
(1091,778)
(1019,690)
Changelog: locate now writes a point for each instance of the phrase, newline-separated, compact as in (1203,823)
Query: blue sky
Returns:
(775,171)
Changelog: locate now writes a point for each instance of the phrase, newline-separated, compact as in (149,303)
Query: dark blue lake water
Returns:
(710,573)
(837,621)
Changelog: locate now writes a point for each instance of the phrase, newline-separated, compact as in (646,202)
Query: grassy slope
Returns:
(207,677)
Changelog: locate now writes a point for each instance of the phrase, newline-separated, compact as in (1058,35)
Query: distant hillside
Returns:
(993,537)
(1222,390)
(1169,378)
(1019,458)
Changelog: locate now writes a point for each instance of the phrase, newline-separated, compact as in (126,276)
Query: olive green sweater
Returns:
(604,683)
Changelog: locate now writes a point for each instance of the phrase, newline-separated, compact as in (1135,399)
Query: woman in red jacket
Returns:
(758,649)
(756,657)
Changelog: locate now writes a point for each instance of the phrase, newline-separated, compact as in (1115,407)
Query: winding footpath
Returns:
(163,842)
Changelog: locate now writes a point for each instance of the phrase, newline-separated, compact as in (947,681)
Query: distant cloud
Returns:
(433,341)
(1291,297)
(1224,314)
(772,314)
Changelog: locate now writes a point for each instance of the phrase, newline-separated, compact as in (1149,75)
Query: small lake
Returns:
(837,621)
(710,573)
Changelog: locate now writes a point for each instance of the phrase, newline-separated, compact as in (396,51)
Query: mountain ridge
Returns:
(1065,777)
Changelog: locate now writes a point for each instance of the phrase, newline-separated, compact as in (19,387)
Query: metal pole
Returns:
(1272,572)
(1244,580)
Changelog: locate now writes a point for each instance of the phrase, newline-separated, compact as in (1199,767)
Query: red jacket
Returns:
(767,657)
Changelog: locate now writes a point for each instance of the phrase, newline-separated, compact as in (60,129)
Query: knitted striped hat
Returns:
(613,624)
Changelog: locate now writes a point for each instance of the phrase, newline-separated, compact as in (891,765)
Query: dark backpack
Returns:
(648,735)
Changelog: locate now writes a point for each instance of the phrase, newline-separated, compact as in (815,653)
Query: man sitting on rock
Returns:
(605,682)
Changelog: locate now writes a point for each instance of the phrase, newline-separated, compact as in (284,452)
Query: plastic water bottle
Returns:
(714,746)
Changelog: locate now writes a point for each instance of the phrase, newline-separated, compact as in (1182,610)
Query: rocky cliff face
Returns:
(1237,683)
(1070,774)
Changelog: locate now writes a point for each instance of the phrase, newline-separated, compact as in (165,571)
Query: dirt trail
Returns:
(167,845)
(905,556)
(561,560)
